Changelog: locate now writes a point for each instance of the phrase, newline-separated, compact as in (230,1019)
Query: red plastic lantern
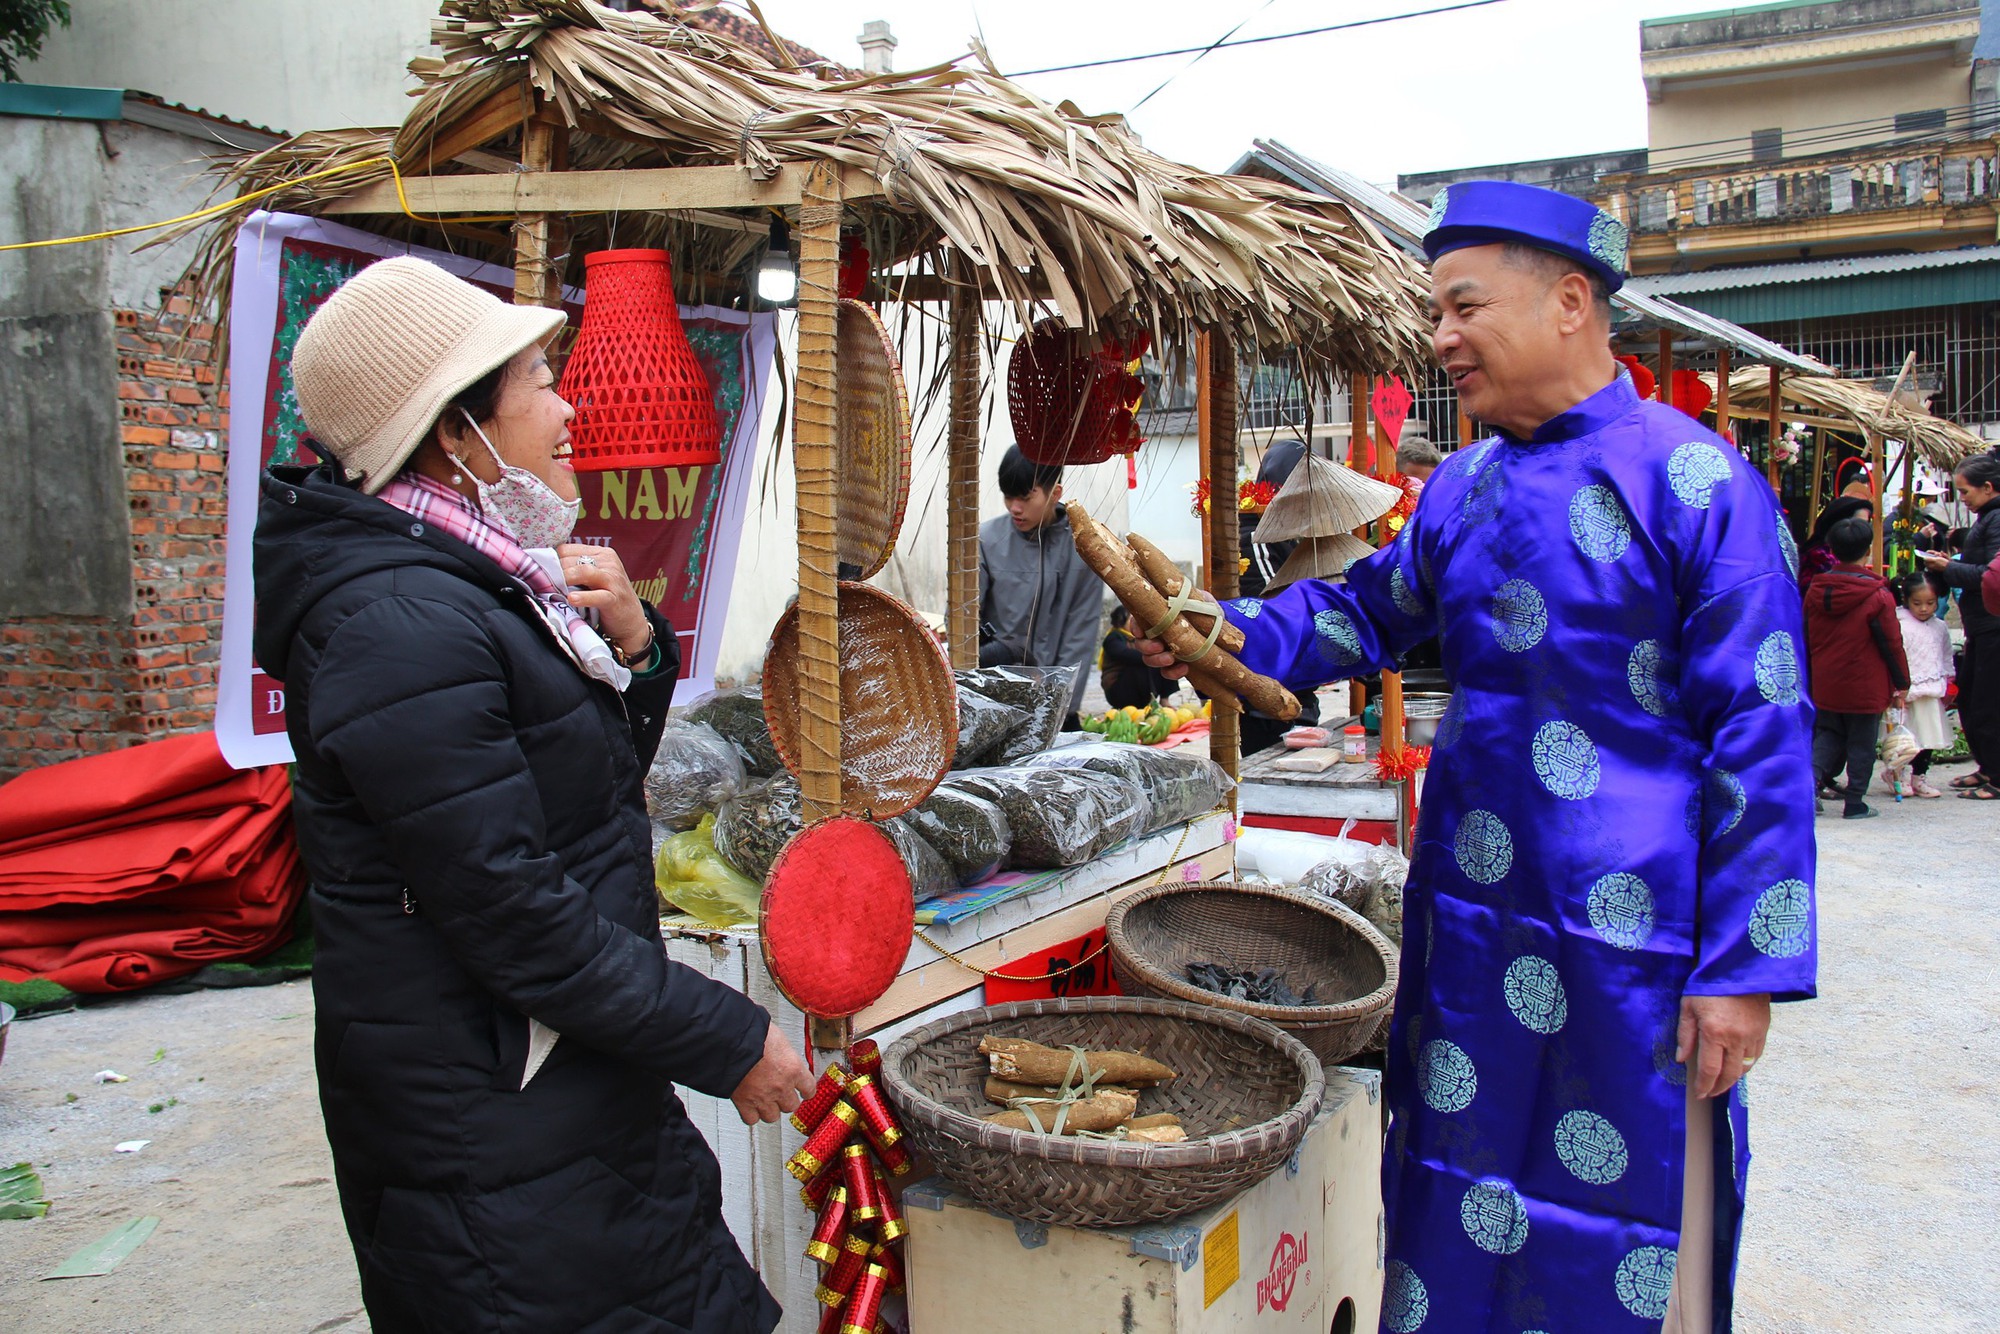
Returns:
(1070,404)
(1691,393)
(642,399)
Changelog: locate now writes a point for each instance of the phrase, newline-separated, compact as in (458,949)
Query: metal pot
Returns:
(1421,715)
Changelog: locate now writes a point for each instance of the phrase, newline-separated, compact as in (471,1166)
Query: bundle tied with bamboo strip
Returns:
(1212,669)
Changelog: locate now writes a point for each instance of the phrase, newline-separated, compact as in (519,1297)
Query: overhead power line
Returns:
(1254,41)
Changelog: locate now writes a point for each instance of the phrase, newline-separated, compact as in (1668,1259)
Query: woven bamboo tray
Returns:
(1246,1094)
(872,433)
(1155,933)
(898,703)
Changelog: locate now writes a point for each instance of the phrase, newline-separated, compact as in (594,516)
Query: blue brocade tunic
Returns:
(1618,812)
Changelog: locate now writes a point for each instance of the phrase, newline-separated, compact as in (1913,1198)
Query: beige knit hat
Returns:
(378,362)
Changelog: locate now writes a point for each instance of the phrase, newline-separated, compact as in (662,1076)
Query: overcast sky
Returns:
(1513,80)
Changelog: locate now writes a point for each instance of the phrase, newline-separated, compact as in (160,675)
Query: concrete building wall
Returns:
(287,64)
(62,509)
(111,518)
(1710,120)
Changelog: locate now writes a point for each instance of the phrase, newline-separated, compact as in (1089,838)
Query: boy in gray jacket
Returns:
(1039,604)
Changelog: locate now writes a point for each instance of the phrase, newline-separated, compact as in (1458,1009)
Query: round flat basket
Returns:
(1245,1093)
(898,703)
(1312,943)
(836,918)
(872,431)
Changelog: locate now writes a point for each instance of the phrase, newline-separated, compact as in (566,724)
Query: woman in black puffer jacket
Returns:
(499,1029)
(1978,482)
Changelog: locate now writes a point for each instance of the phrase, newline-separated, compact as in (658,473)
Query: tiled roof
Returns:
(751,33)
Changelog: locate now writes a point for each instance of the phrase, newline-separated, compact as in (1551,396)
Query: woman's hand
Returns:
(1156,654)
(776,1084)
(1934,561)
(599,581)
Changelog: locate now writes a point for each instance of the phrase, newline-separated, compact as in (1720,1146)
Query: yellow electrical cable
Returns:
(215,210)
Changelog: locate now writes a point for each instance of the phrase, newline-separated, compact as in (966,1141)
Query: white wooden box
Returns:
(1299,1251)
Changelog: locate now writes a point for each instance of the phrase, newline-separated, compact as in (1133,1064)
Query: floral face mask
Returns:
(521,502)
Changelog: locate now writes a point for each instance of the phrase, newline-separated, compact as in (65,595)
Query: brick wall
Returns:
(72,686)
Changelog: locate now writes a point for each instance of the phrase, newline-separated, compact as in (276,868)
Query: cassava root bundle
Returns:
(1212,668)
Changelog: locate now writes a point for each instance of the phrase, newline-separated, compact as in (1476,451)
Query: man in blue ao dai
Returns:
(1614,863)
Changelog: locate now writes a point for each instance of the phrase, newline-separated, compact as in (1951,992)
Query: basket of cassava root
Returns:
(1196,1105)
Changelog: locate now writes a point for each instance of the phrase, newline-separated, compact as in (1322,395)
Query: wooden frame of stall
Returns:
(1854,408)
(1222,259)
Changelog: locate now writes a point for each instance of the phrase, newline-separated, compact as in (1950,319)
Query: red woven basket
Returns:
(836,918)
(1069,404)
(641,396)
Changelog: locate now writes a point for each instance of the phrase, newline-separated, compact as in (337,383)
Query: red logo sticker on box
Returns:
(1288,1257)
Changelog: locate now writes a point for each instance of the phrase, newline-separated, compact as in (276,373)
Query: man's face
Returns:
(1033,510)
(1496,334)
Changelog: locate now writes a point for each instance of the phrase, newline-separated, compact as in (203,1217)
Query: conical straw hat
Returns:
(1319,558)
(1322,498)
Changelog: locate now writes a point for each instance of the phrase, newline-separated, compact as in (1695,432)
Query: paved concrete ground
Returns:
(1875,1115)
(1874,1198)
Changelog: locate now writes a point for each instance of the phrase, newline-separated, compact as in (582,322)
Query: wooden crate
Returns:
(1299,1251)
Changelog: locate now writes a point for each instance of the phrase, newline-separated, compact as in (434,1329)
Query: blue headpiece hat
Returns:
(1474,213)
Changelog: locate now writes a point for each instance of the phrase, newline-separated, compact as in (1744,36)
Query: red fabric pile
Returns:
(131,868)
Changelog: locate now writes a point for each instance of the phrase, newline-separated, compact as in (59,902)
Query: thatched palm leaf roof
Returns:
(1049,203)
(1943,444)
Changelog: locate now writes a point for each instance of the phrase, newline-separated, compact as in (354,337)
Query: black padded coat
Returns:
(470,813)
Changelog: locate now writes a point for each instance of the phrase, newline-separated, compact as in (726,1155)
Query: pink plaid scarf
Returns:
(434,503)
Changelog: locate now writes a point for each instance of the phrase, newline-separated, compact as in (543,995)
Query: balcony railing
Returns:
(1746,195)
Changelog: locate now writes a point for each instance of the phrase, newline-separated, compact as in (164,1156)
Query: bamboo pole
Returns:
(1818,473)
(1357,431)
(813,464)
(1875,493)
(1667,367)
(1777,420)
(1722,391)
(1357,419)
(534,273)
(1464,429)
(1877,459)
(1225,736)
(962,479)
(1205,449)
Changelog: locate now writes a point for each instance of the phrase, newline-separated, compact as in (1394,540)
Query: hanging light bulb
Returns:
(777,275)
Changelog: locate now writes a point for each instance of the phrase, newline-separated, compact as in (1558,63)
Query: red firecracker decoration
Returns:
(641,396)
(846,1180)
(857,1178)
(823,1145)
(832,1085)
(831,1231)
(1402,765)
(864,1308)
(846,1271)
(865,1059)
(1069,404)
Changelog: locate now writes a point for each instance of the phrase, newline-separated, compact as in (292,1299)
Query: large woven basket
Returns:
(1313,942)
(872,430)
(1246,1094)
(898,703)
